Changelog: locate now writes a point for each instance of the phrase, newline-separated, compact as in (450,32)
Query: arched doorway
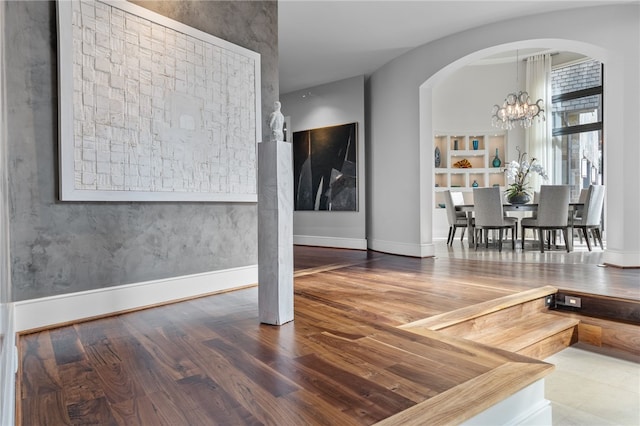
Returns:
(480,87)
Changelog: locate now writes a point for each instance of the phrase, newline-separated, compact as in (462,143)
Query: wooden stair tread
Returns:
(447,319)
(524,332)
(518,323)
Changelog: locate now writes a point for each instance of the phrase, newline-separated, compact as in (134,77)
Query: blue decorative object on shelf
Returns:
(436,156)
(475,144)
(475,184)
(496,160)
(455,144)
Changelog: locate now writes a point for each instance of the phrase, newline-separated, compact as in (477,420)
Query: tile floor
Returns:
(589,389)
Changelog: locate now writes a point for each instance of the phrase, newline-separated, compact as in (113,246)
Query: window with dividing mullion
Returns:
(577,125)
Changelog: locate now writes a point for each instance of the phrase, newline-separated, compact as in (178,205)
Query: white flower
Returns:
(539,170)
(512,169)
(519,171)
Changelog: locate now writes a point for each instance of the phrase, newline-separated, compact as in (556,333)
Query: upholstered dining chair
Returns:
(490,215)
(591,215)
(456,219)
(506,215)
(534,214)
(513,221)
(577,215)
(552,215)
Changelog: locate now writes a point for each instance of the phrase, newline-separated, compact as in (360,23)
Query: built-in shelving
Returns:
(455,148)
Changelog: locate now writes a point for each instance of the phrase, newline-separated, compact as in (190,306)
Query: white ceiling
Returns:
(321,41)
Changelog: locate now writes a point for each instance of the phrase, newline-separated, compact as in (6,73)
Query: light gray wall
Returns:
(463,103)
(401,93)
(67,247)
(331,104)
(465,99)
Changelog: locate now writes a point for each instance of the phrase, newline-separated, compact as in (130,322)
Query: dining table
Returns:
(507,207)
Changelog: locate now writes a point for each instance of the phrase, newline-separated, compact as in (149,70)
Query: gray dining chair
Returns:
(577,215)
(513,221)
(490,215)
(552,215)
(591,216)
(533,214)
(507,217)
(456,219)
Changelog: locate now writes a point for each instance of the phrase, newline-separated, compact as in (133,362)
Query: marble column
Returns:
(275,232)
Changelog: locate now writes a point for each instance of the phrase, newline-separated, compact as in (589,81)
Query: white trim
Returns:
(337,242)
(622,259)
(525,407)
(99,195)
(9,366)
(65,308)
(404,249)
(8,352)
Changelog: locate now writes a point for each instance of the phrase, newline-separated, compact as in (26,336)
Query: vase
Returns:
(475,184)
(436,156)
(455,145)
(496,160)
(519,198)
(475,144)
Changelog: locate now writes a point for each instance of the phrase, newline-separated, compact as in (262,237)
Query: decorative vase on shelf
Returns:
(455,145)
(436,156)
(496,160)
(475,184)
(519,198)
(475,144)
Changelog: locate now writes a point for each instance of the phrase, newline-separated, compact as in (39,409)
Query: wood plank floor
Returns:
(342,361)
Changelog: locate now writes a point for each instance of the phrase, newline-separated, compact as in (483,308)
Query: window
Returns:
(577,125)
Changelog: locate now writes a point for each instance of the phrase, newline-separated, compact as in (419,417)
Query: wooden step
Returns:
(517,323)
(462,315)
(611,338)
(529,333)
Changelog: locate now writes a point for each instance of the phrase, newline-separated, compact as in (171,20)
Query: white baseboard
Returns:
(50,311)
(403,249)
(336,242)
(527,407)
(8,366)
(621,259)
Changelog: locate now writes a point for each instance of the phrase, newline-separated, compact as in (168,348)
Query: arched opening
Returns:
(475,89)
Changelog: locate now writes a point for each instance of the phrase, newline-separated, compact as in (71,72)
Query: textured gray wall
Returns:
(66,247)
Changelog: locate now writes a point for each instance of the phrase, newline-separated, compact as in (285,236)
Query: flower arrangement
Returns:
(519,171)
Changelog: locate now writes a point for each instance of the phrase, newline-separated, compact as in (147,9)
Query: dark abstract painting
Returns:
(324,168)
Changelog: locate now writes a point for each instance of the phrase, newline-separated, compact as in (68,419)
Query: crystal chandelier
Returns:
(517,109)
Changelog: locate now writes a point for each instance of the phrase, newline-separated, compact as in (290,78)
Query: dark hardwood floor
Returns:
(342,361)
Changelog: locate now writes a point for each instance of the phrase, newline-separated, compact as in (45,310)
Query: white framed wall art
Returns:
(151,109)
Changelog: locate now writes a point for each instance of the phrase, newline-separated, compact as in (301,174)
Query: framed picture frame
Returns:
(325,168)
(151,109)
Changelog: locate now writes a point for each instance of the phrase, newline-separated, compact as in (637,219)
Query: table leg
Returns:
(570,242)
(470,236)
